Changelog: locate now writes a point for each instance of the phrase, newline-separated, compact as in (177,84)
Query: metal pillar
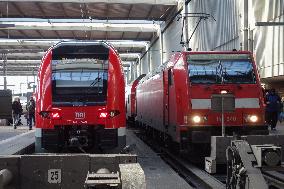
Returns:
(4,57)
(185,28)
(140,66)
(161,46)
(34,80)
(245,29)
(223,123)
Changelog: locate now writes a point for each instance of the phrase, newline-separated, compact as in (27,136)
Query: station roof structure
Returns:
(30,27)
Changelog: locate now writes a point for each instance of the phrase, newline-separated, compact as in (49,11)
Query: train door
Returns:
(167,81)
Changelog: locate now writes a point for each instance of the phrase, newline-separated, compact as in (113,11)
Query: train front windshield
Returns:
(220,69)
(79,81)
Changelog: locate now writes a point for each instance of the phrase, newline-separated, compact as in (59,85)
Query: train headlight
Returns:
(251,118)
(55,115)
(103,115)
(196,119)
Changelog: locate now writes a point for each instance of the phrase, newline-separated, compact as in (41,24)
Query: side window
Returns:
(128,99)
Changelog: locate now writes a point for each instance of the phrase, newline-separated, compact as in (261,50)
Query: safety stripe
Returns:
(38,132)
(121,131)
(247,103)
(199,104)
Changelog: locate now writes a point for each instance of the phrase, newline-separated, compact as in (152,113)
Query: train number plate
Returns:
(54,176)
(227,119)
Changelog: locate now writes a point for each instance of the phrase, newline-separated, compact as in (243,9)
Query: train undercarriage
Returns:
(195,143)
(81,139)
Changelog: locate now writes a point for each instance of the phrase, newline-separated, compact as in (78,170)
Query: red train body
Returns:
(175,100)
(80,97)
(130,99)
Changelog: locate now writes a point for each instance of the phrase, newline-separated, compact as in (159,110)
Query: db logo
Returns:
(79,115)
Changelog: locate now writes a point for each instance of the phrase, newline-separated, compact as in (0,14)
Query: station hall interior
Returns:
(143,45)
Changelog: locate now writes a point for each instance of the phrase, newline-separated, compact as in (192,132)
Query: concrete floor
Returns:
(8,131)
(279,129)
(158,174)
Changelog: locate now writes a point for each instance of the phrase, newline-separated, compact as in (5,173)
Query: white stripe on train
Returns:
(199,104)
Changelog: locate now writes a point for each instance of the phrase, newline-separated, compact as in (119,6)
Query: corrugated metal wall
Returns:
(229,32)
(210,35)
(222,34)
(171,42)
(171,39)
(155,55)
(145,64)
(268,40)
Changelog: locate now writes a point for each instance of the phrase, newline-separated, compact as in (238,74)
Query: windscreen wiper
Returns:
(98,79)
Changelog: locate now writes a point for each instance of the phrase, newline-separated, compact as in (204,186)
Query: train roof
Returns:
(216,52)
(83,48)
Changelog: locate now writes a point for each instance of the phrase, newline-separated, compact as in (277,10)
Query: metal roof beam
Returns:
(19,49)
(130,55)
(34,55)
(24,62)
(71,20)
(40,54)
(49,43)
(153,2)
(20,73)
(81,26)
(20,69)
(33,63)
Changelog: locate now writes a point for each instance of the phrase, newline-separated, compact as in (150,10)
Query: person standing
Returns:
(31,112)
(16,111)
(273,102)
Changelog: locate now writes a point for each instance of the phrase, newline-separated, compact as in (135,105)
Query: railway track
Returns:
(198,178)
(275,179)
(193,175)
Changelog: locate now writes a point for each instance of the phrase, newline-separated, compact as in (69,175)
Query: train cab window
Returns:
(81,81)
(223,69)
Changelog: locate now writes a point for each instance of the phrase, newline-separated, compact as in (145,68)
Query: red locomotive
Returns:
(130,99)
(80,97)
(174,102)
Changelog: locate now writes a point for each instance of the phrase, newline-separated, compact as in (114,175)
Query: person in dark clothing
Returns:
(31,112)
(16,111)
(273,102)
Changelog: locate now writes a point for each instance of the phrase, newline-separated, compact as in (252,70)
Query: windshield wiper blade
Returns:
(98,79)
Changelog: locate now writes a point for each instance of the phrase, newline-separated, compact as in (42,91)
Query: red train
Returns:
(80,97)
(174,102)
(130,99)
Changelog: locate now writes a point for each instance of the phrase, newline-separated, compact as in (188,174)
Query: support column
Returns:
(136,70)
(245,28)
(185,28)
(161,46)
(4,56)
(140,66)
(34,75)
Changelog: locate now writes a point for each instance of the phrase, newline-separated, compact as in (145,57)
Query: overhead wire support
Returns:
(201,16)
